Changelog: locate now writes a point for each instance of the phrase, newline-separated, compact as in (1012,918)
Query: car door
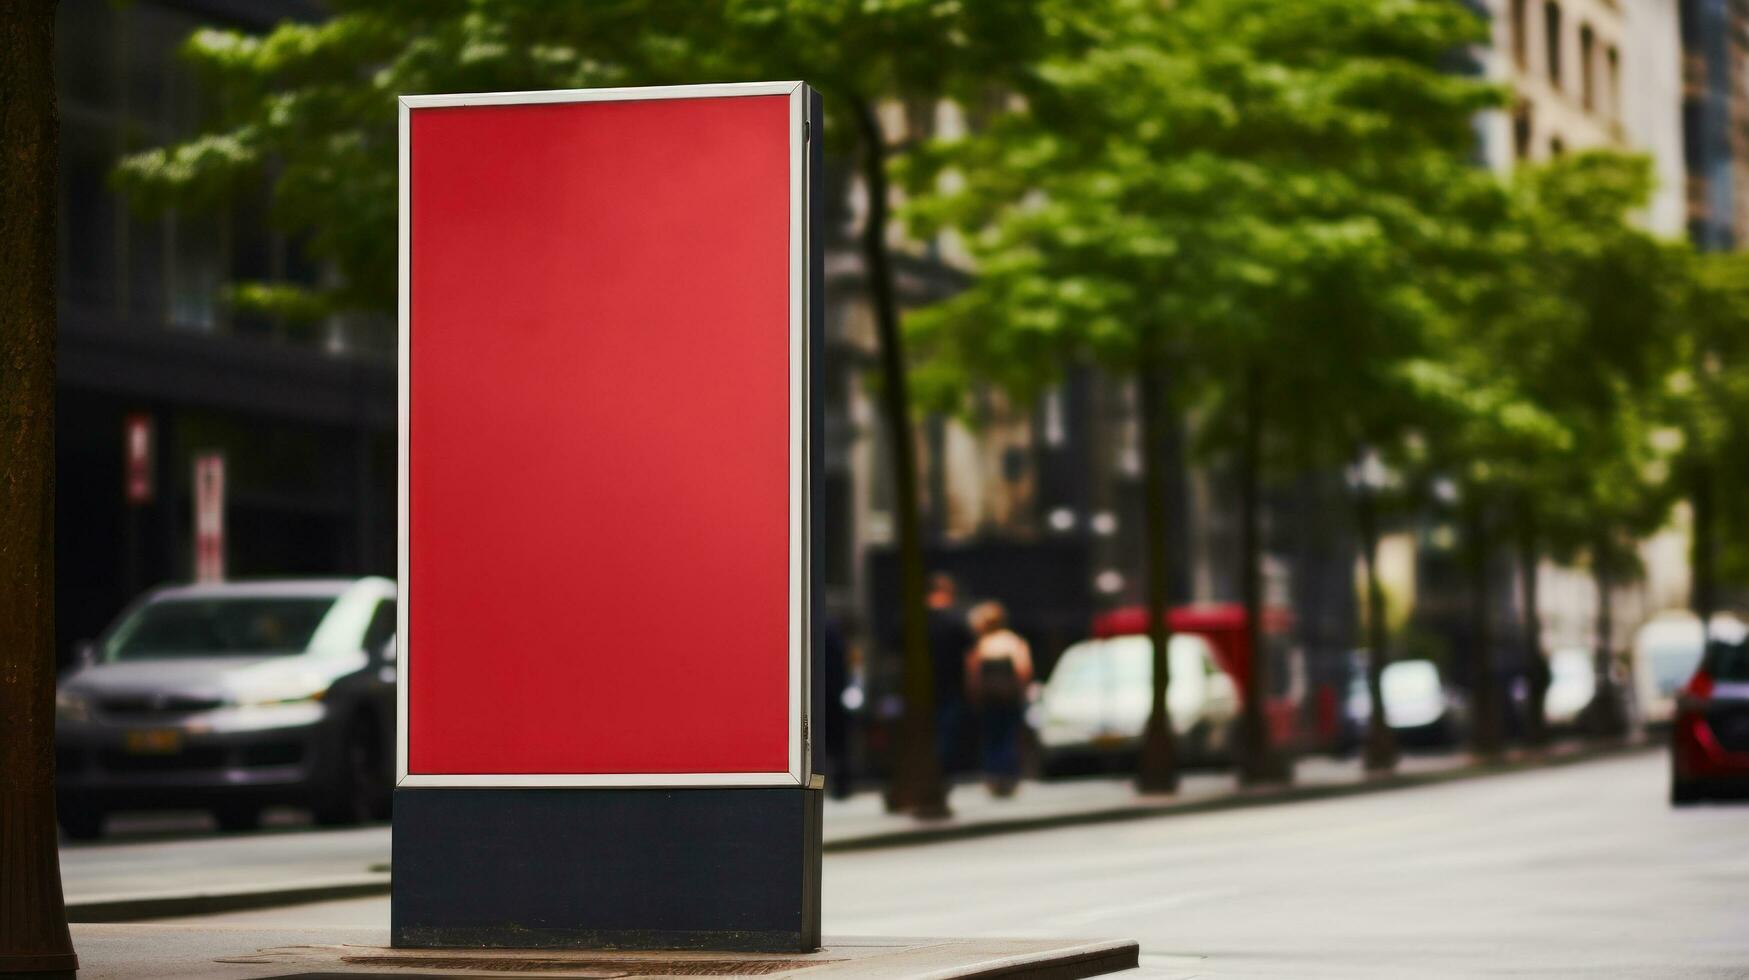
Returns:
(379,645)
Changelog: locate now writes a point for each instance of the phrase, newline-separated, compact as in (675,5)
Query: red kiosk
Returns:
(609,306)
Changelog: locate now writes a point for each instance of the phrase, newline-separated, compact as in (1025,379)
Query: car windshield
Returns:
(1410,679)
(217,627)
(1126,662)
(1729,662)
(1672,665)
(1571,665)
(1081,669)
(1132,661)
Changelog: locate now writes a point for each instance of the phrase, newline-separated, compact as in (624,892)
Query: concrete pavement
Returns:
(165,871)
(1580,870)
(160,868)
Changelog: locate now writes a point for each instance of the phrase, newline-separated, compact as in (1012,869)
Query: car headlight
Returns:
(72,707)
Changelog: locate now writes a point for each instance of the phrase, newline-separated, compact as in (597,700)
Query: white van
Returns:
(1093,708)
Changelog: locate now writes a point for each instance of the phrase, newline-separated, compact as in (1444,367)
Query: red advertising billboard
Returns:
(604,437)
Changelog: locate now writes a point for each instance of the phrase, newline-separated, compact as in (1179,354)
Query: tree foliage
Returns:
(310,107)
(1274,202)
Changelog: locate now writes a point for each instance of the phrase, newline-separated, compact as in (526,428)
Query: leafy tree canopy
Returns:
(311,107)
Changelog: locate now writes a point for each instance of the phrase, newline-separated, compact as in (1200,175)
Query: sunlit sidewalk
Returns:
(862,820)
(171,865)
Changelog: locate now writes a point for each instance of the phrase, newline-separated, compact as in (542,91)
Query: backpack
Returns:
(997,682)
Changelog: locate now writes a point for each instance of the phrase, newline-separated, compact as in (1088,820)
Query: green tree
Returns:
(1708,395)
(311,107)
(1550,385)
(1240,193)
(1596,351)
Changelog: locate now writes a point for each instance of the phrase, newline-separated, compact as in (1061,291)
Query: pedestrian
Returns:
(835,730)
(950,639)
(997,671)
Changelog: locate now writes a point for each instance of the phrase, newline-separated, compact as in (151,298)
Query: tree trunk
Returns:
(1261,763)
(1381,743)
(1536,664)
(917,785)
(1158,768)
(33,918)
(1487,731)
(1704,597)
(1606,715)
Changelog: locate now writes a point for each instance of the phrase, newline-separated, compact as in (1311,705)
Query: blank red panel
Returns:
(598,496)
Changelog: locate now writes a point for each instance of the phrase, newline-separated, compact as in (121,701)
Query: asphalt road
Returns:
(1581,870)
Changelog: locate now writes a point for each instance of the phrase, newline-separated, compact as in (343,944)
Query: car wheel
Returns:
(80,822)
(1684,792)
(354,787)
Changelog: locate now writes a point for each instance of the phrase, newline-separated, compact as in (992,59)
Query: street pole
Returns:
(34,940)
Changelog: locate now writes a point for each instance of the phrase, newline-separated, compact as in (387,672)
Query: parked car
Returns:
(1572,685)
(232,697)
(1666,652)
(1092,710)
(1709,737)
(1420,709)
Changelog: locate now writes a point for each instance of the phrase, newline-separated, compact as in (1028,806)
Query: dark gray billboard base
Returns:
(643,869)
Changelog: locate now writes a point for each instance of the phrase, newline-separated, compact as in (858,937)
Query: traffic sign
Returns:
(138,457)
(209,517)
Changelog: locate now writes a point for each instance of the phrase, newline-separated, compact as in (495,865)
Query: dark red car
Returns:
(1709,743)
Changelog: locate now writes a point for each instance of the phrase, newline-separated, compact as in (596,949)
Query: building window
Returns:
(1587,81)
(1552,40)
(90,223)
(197,270)
(1520,42)
(1521,131)
(1693,142)
(1612,81)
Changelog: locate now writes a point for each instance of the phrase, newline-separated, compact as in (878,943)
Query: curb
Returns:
(130,908)
(1143,810)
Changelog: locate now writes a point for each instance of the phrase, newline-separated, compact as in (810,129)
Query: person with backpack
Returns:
(998,670)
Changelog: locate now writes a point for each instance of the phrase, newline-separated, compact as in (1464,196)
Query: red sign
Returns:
(604,437)
(209,518)
(137,434)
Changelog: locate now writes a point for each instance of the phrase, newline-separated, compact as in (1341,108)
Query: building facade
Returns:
(1589,74)
(303,414)
(1715,117)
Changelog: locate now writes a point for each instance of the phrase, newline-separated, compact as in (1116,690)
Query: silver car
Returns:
(233,697)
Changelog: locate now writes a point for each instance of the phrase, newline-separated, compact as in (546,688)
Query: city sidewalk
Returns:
(123,880)
(862,822)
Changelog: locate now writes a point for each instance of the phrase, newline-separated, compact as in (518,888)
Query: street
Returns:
(1581,870)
